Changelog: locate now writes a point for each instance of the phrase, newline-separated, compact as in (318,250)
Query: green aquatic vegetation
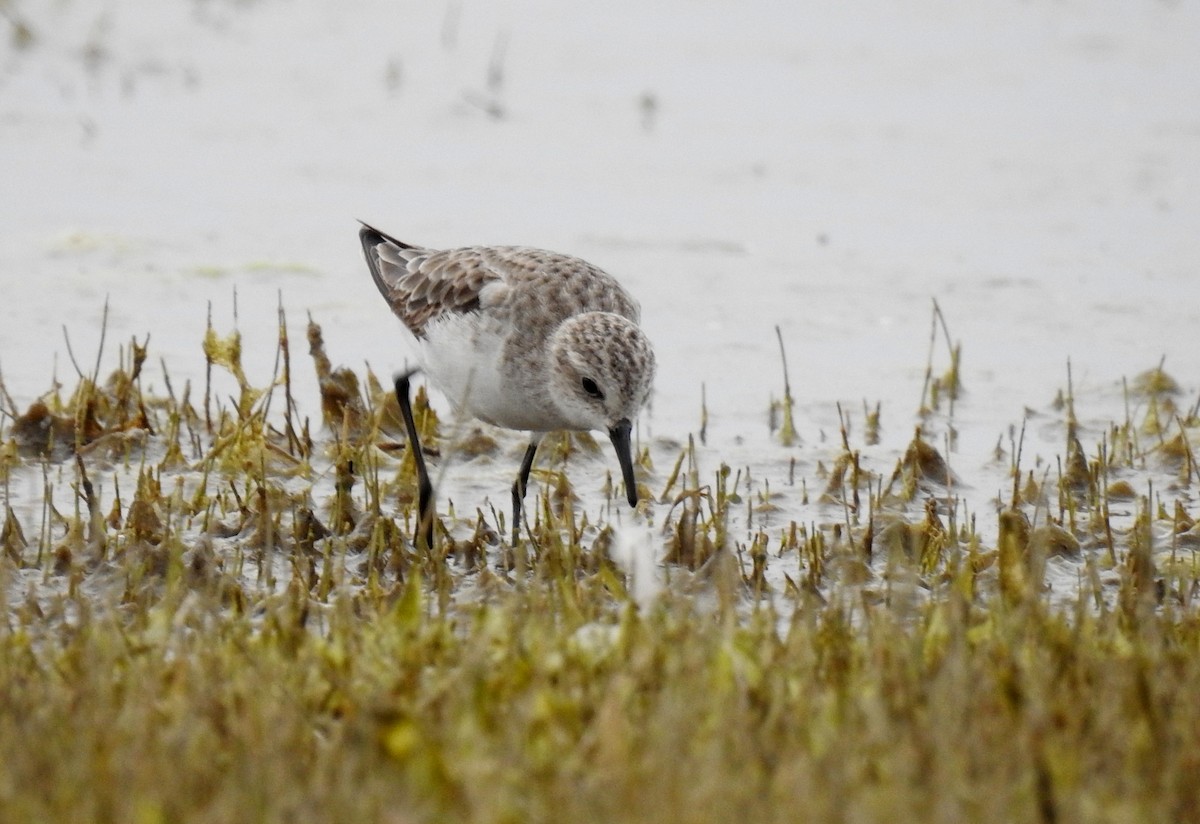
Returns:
(215,614)
(563,699)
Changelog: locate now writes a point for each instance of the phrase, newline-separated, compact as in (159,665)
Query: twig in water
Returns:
(103,335)
(1017,465)
(787,433)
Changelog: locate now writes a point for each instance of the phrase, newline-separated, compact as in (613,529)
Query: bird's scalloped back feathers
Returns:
(440,282)
(421,284)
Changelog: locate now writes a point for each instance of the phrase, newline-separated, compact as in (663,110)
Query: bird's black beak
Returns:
(619,435)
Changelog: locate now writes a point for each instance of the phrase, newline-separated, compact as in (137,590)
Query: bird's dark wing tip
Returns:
(372,237)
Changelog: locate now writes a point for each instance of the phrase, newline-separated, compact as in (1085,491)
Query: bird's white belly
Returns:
(463,357)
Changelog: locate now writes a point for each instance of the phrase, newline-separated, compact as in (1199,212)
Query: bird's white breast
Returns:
(463,356)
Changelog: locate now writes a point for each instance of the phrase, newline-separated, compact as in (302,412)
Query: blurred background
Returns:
(831,169)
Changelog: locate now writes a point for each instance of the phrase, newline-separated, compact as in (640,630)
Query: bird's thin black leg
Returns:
(424,487)
(519,486)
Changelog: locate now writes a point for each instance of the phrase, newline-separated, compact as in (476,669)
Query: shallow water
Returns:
(1035,169)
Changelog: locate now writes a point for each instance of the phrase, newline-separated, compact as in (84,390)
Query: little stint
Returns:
(520,338)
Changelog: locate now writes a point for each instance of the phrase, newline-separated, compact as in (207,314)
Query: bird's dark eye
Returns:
(590,387)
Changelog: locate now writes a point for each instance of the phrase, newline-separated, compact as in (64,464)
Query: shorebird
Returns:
(519,338)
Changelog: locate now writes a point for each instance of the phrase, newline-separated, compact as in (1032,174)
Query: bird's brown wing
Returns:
(422,284)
